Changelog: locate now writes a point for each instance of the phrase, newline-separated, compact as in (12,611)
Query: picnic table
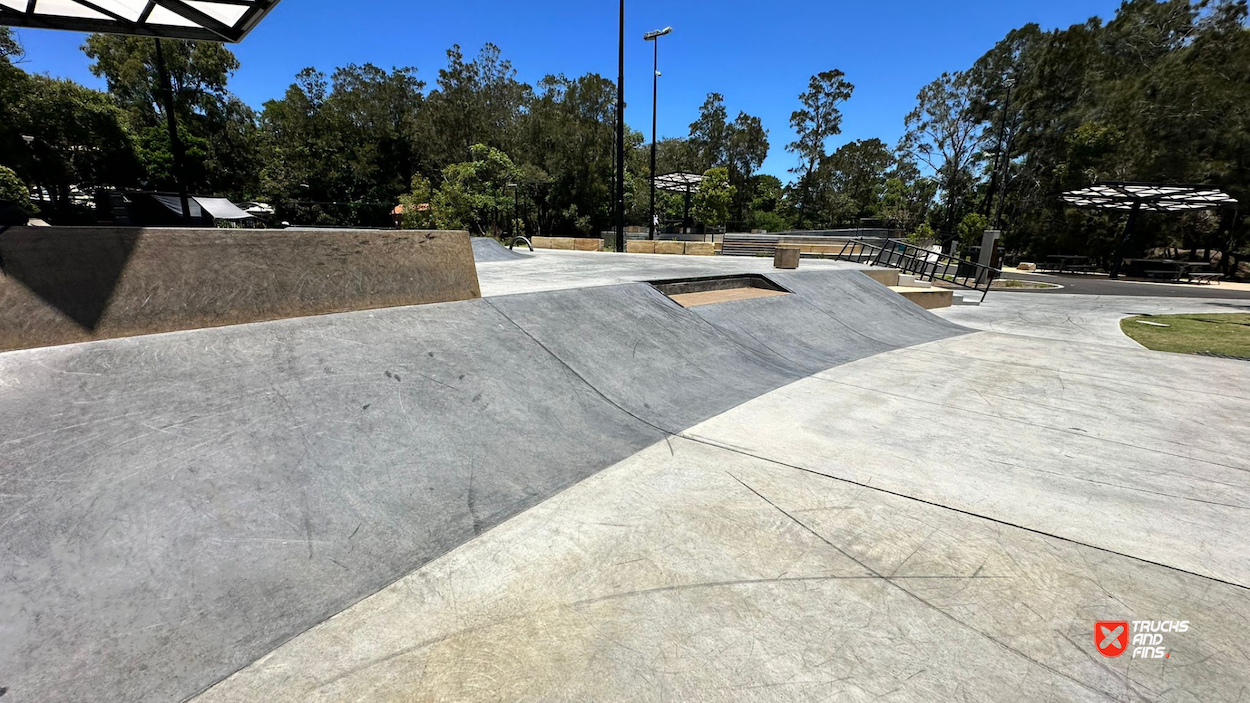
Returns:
(1177,271)
(1065,262)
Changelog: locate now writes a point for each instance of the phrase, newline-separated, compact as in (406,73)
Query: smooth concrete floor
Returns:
(941,522)
(945,522)
(1082,318)
(547,269)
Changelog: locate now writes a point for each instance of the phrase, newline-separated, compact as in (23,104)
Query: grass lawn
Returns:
(1191,334)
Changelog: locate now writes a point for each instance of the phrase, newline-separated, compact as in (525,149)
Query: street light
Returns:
(619,195)
(655,97)
(1002,161)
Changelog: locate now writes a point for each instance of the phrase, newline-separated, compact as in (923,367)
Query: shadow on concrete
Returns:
(76,275)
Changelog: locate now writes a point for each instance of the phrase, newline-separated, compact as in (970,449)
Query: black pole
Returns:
(516,210)
(1004,146)
(1128,235)
(175,142)
(620,142)
(655,96)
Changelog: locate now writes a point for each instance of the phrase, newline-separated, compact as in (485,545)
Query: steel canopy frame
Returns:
(227,21)
(685,183)
(1133,198)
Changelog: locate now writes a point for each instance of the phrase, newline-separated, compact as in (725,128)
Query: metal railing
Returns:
(923,264)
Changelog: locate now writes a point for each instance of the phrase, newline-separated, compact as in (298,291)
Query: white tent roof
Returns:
(209,20)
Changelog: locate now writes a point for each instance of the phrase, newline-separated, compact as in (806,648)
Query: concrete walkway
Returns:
(546,270)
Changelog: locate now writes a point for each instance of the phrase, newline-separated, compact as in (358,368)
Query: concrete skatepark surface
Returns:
(487,249)
(590,493)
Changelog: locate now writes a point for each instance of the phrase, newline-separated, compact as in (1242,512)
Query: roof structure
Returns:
(1150,197)
(205,20)
(679,182)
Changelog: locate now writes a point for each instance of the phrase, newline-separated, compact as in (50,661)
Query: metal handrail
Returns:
(928,265)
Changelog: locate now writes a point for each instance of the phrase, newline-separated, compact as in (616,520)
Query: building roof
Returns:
(208,20)
(1151,197)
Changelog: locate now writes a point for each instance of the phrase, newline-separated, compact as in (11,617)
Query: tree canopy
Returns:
(1158,92)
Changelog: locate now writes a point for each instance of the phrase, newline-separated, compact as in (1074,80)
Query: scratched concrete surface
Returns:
(412,504)
(176,506)
(696,572)
(941,522)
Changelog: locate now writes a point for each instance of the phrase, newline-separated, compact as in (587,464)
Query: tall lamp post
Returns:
(620,142)
(654,37)
(1002,164)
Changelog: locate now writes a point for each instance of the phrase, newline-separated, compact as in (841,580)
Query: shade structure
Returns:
(679,182)
(1149,197)
(1135,198)
(208,20)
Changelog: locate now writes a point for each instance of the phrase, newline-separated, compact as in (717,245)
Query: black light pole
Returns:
(175,142)
(620,143)
(655,97)
(1005,157)
(516,206)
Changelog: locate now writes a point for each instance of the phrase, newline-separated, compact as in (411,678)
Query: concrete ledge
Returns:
(927,298)
(886,277)
(567,243)
(673,248)
(67,285)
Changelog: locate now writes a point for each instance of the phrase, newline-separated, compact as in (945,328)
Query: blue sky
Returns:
(758,54)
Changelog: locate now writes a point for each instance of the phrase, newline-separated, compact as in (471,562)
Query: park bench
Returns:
(1164,275)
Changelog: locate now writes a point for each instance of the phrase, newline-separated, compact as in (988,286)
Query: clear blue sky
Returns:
(758,54)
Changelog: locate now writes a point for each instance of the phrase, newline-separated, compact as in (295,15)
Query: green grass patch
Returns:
(1192,334)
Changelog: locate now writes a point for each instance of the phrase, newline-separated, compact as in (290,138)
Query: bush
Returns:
(15,191)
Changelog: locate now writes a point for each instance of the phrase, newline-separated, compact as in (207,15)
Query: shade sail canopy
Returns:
(1150,197)
(207,20)
(221,209)
(679,182)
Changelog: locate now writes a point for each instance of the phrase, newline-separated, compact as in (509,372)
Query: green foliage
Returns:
(418,205)
(13,190)
(475,194)
(816,122)
(945,134)
(972,229)
(922,235)
(9,46)
(712,202)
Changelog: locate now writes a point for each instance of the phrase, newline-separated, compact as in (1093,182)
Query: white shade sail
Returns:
(1150,197)
(208,20)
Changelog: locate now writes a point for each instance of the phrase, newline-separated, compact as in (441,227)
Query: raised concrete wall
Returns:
(65,285)
(671,247)
(567,243)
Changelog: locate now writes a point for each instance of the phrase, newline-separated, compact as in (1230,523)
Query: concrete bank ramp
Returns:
(487,250)
(174,507)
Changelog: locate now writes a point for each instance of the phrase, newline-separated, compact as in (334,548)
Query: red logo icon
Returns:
(1111,638)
